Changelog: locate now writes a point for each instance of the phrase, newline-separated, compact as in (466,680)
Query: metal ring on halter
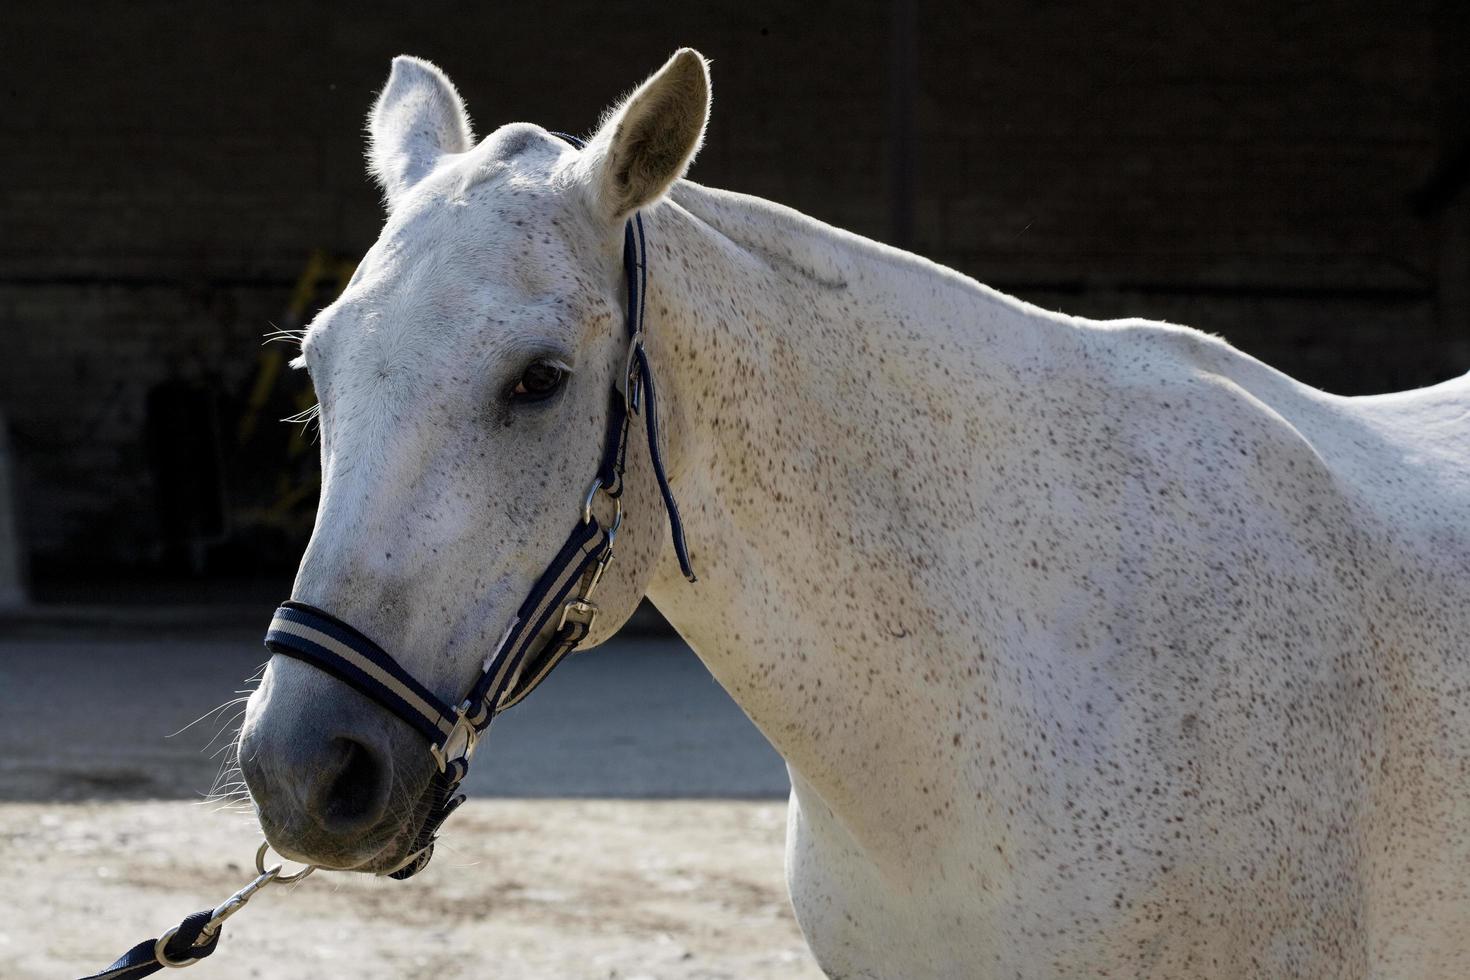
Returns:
(278,878)
(592,490)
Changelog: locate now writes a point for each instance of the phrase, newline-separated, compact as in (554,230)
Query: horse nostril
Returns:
(352,792)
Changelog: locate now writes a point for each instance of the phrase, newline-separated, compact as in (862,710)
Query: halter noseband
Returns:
(560,601)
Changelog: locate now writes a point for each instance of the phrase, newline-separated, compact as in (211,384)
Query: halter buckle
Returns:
(632,384)
(459,743)
(579,610)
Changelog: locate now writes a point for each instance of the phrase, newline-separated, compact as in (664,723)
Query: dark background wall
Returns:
(1287,175)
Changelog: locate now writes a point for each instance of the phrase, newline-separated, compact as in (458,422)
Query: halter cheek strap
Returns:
(555,617)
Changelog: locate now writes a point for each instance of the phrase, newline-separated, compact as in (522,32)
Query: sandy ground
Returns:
(103,842)
(522,888)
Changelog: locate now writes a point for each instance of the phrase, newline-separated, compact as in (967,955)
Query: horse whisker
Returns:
(216,708)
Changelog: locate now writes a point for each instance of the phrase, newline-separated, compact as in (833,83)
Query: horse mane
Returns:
(820,253)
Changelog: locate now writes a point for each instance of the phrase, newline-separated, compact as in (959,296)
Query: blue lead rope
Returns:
(143,959)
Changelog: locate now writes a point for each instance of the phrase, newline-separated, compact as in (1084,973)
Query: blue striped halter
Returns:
(556,616)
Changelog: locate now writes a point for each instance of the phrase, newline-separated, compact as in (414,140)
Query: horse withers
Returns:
(1093,648)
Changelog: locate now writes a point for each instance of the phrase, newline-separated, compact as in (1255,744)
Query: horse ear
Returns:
(647,142)
(417,119)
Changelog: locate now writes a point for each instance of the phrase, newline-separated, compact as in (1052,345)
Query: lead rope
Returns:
(198,935)
(561,601)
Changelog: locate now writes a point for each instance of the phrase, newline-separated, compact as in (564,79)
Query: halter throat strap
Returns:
(555,617)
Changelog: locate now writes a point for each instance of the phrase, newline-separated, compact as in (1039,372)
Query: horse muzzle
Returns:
(335,781)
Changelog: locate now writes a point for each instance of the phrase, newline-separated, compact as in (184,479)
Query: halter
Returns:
(555,617)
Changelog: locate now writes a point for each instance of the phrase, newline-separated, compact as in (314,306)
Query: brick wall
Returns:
(1252,168)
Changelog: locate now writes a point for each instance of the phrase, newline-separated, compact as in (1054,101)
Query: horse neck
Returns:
(824,399)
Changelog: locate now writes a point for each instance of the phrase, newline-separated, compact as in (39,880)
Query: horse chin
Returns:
(393,845)
(373,858)
(400,844)
(378,850)
(394,855)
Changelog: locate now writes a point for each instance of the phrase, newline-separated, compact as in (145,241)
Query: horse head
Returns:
(463,379)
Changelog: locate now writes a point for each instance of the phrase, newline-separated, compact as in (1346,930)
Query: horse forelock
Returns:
(521,153)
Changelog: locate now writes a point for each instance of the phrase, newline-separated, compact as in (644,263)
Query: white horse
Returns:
(1094,649)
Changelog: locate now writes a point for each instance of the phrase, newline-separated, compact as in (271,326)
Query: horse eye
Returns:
(541,380)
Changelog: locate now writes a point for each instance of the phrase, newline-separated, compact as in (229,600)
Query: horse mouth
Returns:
(400,843)
(395,854)
(386,850)
(382,849)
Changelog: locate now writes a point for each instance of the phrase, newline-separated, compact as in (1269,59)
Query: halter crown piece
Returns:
(555,617)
